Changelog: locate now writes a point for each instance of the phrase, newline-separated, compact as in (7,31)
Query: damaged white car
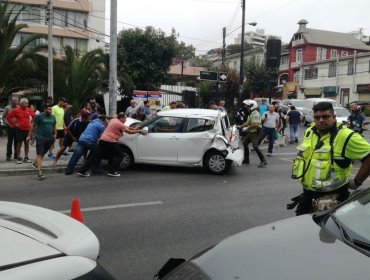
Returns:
(185,137)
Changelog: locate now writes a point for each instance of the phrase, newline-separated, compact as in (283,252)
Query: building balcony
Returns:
(296,64)
(283,67)
(297,42)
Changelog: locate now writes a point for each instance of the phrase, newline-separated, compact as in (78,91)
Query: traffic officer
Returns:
(324,162)
(254,125)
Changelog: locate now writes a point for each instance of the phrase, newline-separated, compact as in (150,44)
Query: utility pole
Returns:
(223,46)
(113,59)
(241,72)
(49,13)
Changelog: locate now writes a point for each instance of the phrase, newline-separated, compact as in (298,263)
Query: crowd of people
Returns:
(96,135)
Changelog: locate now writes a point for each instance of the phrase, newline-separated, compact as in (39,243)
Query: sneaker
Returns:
(83,174)
(39,174)
(27,160)
(19,161)
(8,158)
(114,174)
(296,140)
(269,154)
(262,164)
(34,165)
(51,155)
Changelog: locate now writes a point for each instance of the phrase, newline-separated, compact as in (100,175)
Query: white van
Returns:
(308,114)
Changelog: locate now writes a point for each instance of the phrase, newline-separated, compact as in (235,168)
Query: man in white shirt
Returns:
(270,122)
(132,109)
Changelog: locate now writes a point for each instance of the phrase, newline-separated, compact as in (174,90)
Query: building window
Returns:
(310,73)
(284,60)
(299,55)
(320,54)
(350,68)
(333,54)
(344,53)
(369,65)
(332,70)
(297,76)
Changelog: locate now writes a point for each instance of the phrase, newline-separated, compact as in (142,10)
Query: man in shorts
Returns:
(58,112)
(45,135)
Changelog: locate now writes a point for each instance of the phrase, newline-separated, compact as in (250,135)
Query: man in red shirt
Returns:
(108,146)
(20,118)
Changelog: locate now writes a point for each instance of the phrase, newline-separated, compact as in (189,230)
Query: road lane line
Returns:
(90,209)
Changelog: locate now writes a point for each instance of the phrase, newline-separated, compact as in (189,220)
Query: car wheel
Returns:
(127,160)
(216,163)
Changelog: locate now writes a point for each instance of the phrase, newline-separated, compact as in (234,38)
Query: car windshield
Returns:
(354,217)
(342,112)
(301,103)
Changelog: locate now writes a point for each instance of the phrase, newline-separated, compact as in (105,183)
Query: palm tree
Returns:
(17,63)
(79,78)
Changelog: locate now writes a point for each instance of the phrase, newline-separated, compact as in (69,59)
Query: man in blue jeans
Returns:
(87,141)
(270,122)
(294,119)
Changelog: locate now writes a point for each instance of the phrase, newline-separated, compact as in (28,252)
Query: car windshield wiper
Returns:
(343,233)
(361,244)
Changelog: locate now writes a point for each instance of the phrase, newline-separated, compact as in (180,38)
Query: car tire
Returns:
(127,160)
(216,163)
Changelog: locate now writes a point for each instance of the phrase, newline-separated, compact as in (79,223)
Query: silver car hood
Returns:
(295,248)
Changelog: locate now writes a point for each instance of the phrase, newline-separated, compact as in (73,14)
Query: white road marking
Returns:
(90,209)
(278,154)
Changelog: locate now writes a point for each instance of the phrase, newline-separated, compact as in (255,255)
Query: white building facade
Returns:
(344,79)
(79,24)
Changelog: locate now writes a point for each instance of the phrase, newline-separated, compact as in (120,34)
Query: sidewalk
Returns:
(12,168)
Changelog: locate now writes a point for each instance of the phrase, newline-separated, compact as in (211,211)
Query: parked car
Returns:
(41,244)
(300,105)
(342,114)
(308,114)
(363,104)
(334,244)
(185,137)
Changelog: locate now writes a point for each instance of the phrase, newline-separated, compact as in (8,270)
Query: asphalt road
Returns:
(150,214)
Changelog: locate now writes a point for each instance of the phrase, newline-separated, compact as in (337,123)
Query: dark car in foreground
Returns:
(334,244)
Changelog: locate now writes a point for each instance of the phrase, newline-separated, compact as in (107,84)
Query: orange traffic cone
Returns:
(76,210)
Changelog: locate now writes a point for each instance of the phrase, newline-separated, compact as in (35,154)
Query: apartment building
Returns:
(257,39)
(76,23)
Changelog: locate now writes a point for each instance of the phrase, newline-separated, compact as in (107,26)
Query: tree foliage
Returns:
(185,52)
(236,48)
(17,64)
(78,79)
(144,56)
(257,75)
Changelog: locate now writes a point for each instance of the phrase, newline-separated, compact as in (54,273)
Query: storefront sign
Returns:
(363,88)
(316,91)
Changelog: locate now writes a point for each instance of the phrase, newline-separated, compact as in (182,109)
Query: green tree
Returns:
(77,79)
(18,64)
(185,52)
(236,48)
(205,89)
(200,61)
(145,56)
(257,75)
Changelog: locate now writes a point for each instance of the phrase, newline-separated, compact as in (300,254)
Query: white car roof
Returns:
(191,113)
(38,232)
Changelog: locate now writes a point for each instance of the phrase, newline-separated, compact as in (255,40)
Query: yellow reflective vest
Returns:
(321,164)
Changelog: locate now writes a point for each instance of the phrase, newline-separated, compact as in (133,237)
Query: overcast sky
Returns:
(200,22)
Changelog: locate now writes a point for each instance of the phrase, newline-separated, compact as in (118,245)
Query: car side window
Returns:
(198,125)
(166,125)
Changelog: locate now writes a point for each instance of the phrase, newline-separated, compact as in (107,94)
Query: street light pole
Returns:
(241,72)
(50,50)
(113,59)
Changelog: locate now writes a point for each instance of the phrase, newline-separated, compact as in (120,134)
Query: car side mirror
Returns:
(145,130)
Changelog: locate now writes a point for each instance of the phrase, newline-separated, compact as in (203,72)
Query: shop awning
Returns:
(329,91)
(316,91)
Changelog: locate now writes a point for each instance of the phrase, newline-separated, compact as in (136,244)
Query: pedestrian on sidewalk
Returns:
(108,146)
(20,118)
(13,103)
(87,142)
(45,135)
(73,133)
(58,112)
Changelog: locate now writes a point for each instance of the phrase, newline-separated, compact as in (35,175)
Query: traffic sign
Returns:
(222,76)
(208,75)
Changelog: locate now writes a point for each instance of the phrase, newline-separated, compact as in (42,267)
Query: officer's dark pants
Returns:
(11,141)
(305,203)
(252,137)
